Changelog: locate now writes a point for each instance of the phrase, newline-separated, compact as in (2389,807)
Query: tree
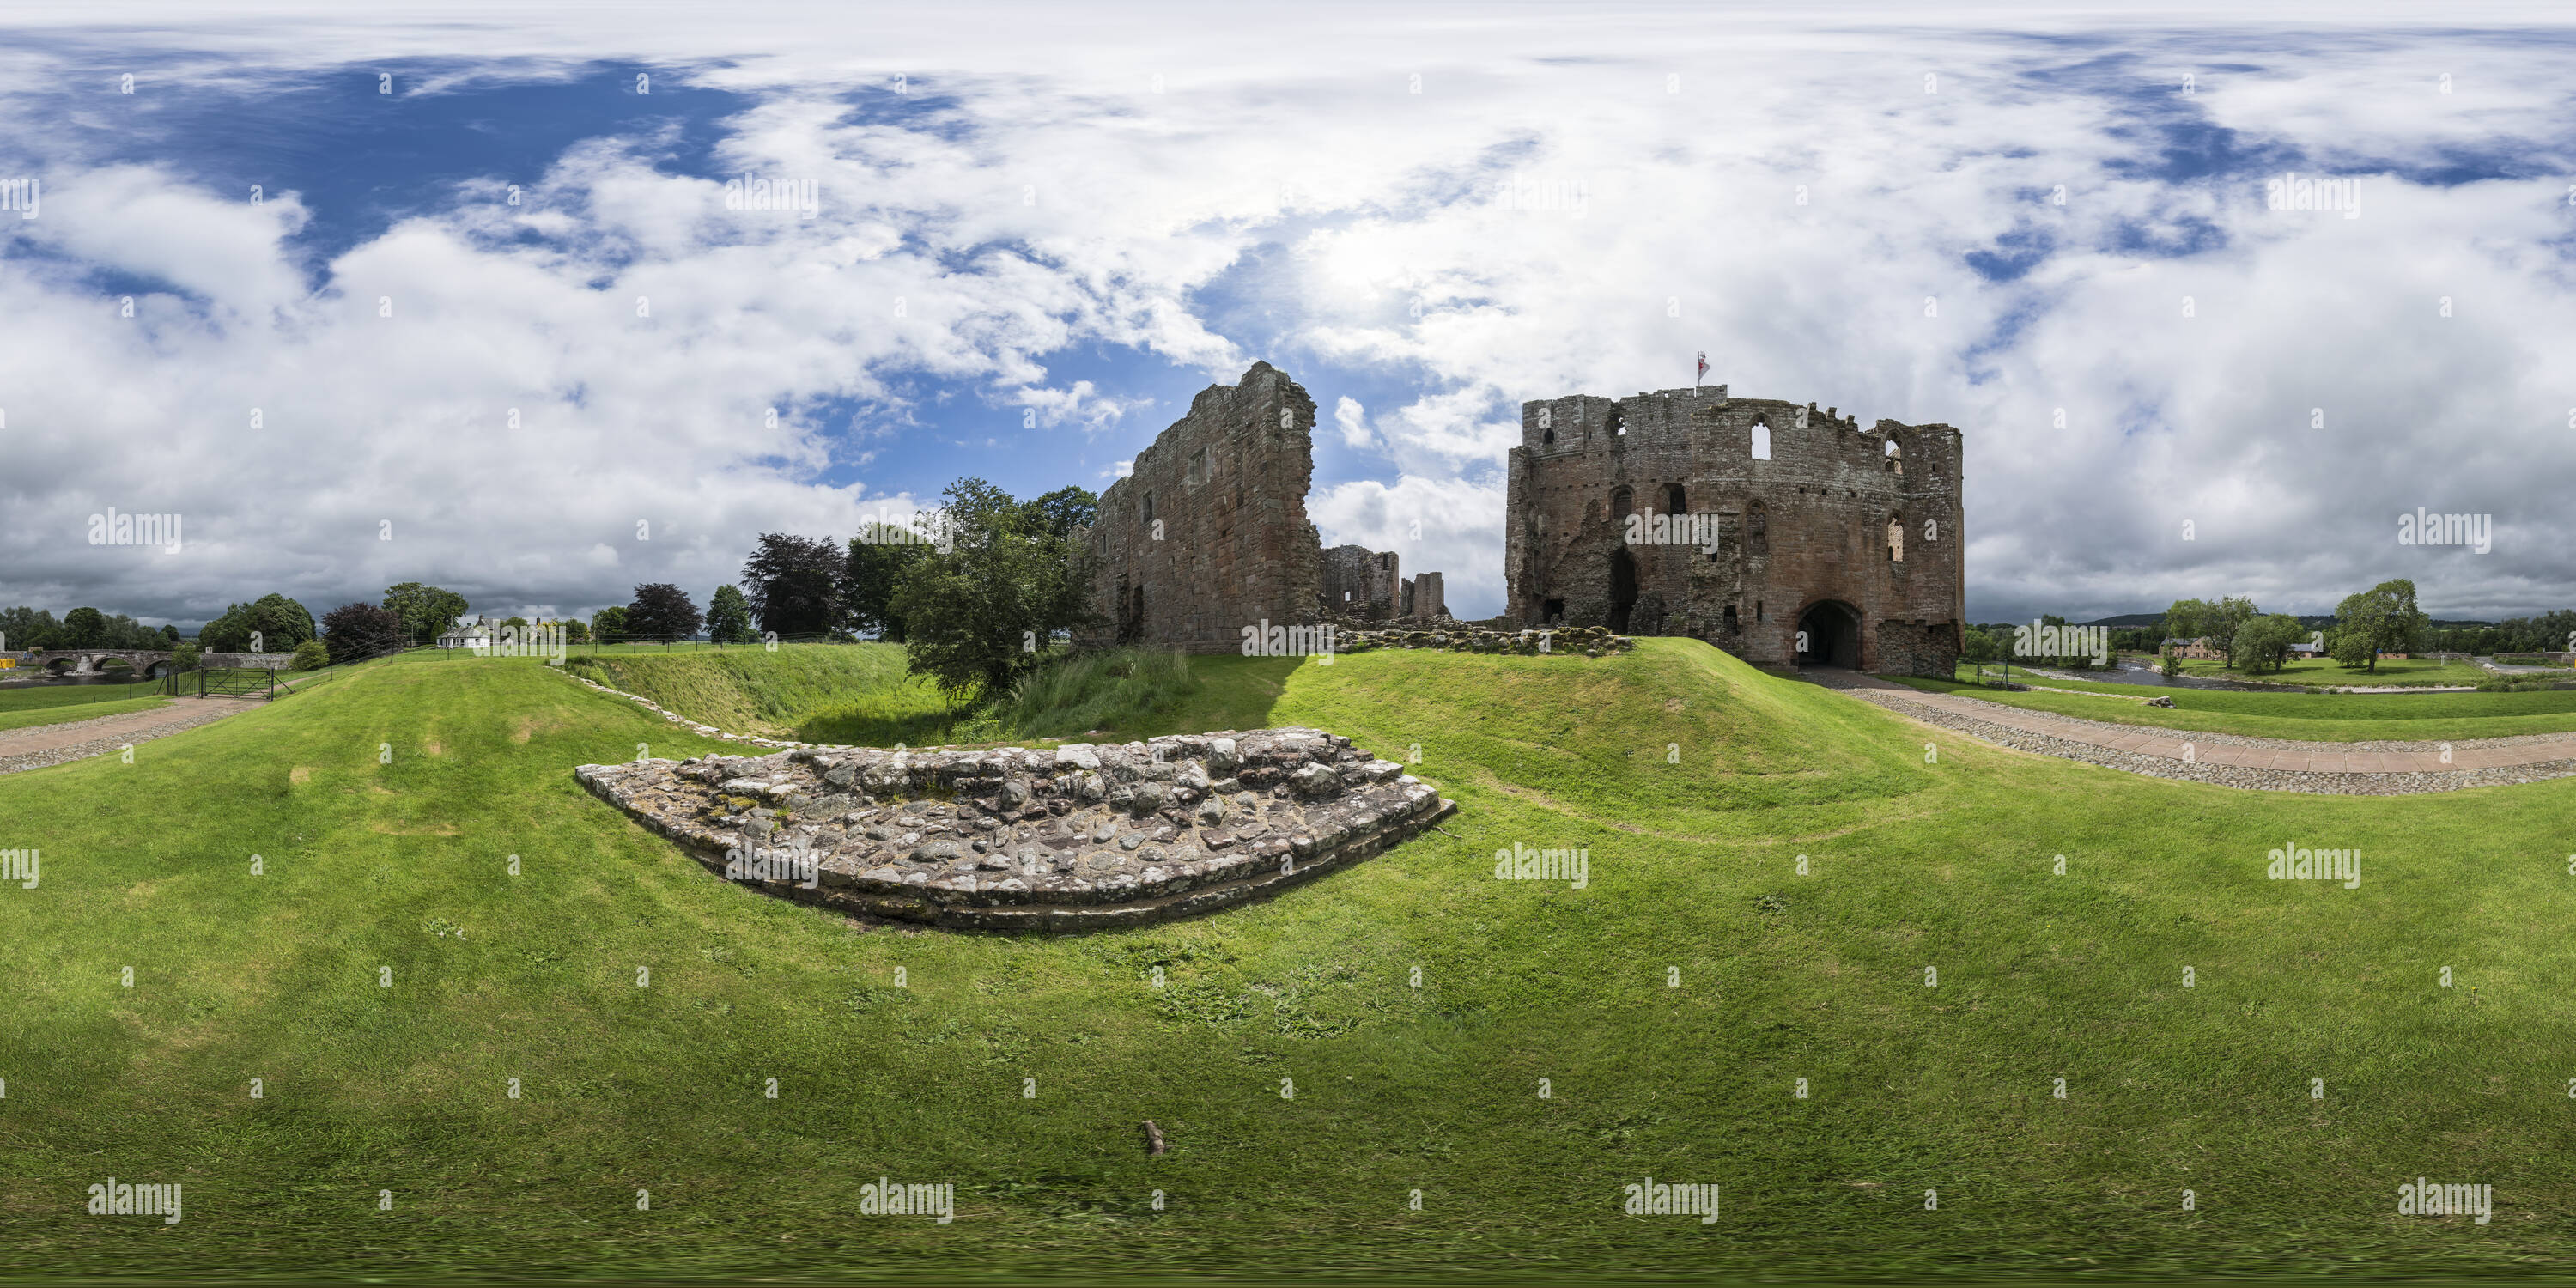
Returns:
(981,614)
(84,628)
(576,631)
(311,655)
(2265,641)
(280,623)
(2187,619)
(425,611)
(354,631)
(794,583)
(661,611)
(608,624)
(1061,513)
(28,628)
(2352,649)
(170,634)
(729,616)
(517,622)
(2224,618)
(183,657)
(2383,619)
(879,557)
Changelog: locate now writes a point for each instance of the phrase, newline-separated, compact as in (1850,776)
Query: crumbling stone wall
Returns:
(1424,597)
(1362,583)
(1808,538)
(1209,534)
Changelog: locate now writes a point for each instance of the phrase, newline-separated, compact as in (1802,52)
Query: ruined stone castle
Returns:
(1777,532)
(1209,535)
(1757,525)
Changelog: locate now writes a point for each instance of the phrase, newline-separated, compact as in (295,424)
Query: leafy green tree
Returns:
(2382,619)
(984,613)
(2224,618)
(878,559)
(576,631)
(2187,619)
(24,628)
(514,620)
(183,657)
(311,655)
(729,616)
(608,625)
(354,631)
(426,612)
(794,583)
(84,628)
(2264,642)
(1062,513)
(662,611)
(170,633)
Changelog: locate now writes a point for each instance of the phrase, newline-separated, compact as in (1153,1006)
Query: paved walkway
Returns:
(53,744)
(2270,763)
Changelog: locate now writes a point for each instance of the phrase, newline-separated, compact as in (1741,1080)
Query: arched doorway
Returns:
(1830,632)
(1623,589)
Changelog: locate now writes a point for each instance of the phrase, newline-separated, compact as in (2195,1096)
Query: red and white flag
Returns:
(1703,368)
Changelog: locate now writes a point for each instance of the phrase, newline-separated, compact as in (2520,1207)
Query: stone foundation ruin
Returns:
(1076,837)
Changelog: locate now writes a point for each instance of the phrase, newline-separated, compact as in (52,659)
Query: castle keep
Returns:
(1849,535)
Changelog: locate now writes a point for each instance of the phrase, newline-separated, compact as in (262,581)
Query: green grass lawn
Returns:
(2310,717)
(831,693)
(387,809)
(60,704)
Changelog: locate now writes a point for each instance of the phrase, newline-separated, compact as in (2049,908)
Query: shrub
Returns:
(311,655)
(183,659)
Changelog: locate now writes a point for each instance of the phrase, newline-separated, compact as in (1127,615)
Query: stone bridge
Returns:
(147,663)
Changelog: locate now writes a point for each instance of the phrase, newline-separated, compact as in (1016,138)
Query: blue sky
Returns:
(1037,237)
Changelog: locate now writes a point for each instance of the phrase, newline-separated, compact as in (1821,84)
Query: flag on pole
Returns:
(1703,368)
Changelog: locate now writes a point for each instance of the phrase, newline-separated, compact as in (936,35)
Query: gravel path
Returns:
(54,744)
(2257,764)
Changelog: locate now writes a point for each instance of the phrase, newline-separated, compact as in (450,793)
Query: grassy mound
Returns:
(2308,717)
(836,693)
(388,975)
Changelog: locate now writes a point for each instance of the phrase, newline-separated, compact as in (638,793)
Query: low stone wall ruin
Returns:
(1072,838)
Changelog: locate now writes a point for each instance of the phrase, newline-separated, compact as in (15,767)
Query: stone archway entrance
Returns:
(1831,631)
(1623,589)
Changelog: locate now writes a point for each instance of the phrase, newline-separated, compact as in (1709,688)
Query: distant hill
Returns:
(2313,620)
